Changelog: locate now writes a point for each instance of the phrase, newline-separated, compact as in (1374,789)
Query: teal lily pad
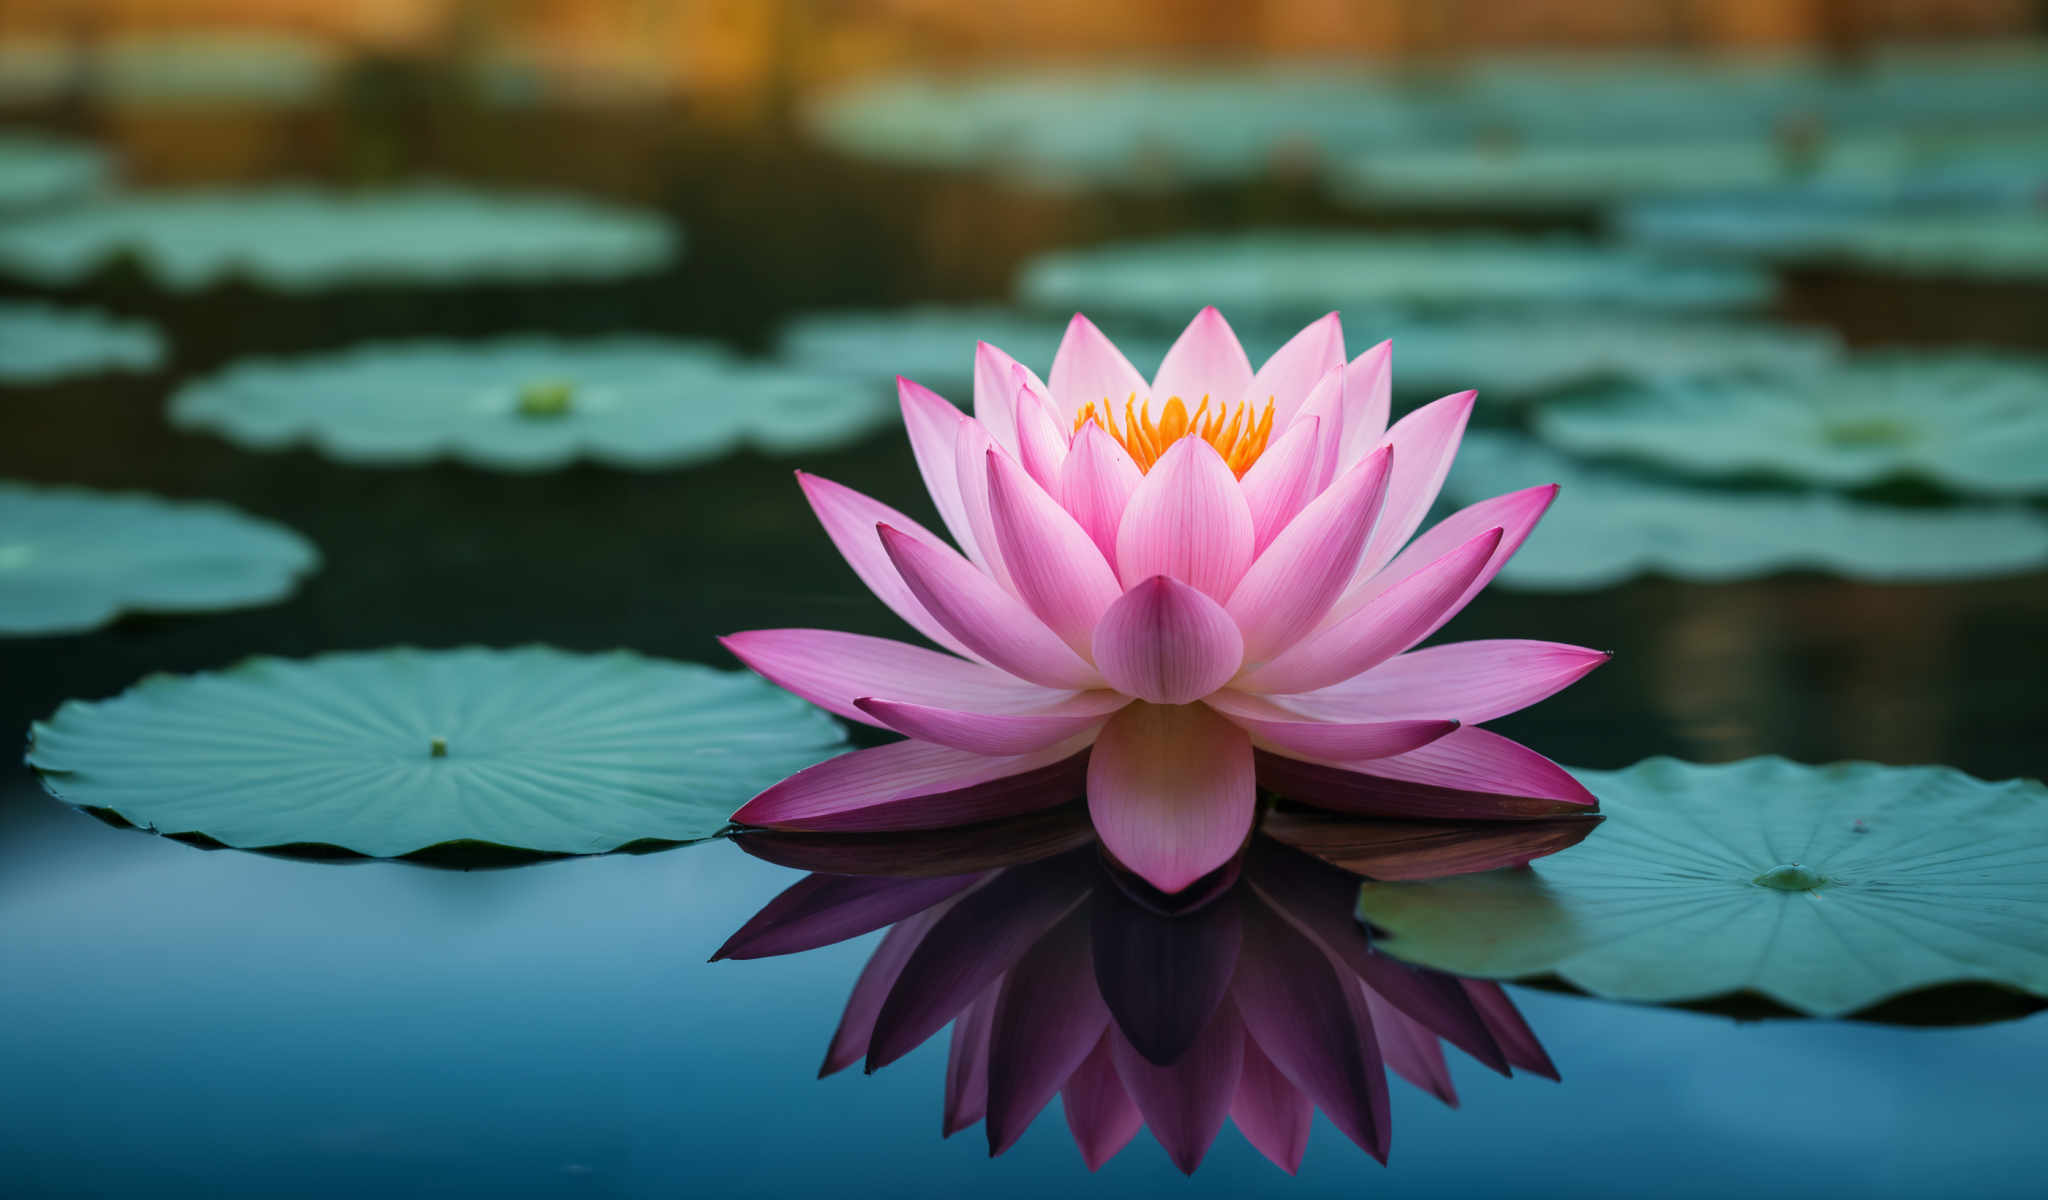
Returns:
(72,559)
(390,752)
(529,404)
(38,169)
(40,342)
(2000,242)
(1967,423)
(1278,277)
(1824,889)
(301,239)
(1610,525)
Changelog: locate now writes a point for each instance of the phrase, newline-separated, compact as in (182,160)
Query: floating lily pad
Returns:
(72,560)
(39,342)
(38,169)
(1298,276)
(1610,524)
(390,752)
(1998,242)
(302,239)
(529,404)
(1825,889)
(1967,423)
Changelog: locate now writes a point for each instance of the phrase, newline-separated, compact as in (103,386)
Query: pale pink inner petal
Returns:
(1041,437)
(1165,642)
(1424,443)
(1296,579)
(1188,520)
(1471,681)
(1516,513)
(1089,367)
(1325,406)
(995,387)
(1479,760)
(1206,361)
(970,470)
(1283,480)
(1171,791)
(1054,565)
(1368,399)
(1283,731)
(1295,368)
(1096,483)
(934,427)
(994,732)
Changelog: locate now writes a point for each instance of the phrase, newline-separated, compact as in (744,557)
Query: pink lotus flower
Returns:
(1171,593)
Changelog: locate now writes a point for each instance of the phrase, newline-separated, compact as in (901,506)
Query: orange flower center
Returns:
(1237,436)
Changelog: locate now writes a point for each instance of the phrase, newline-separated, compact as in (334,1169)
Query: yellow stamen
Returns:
(1240,439)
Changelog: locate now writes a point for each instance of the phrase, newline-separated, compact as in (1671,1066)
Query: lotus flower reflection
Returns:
(1255,997)
(1172,592)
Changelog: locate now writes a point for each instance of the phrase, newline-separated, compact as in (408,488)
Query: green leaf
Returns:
(40,343)
(1825,889)
(390,752)
(529,404)
(72,559)
(2004,242)
(301,239)
(37,170)
(1610,525)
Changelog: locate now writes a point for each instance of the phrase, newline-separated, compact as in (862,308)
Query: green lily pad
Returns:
(72,559)
(529,404)
(1279,277)
(1967,423)
(1609,525)
(40,342)
(390,752)
(2006,242)
(302,239)
(38,169)
(1825,889)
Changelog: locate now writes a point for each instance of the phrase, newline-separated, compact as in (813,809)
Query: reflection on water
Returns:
(1253,995)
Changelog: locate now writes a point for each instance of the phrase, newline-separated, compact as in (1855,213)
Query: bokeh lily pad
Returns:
(1279,277)
(38,169)
(1611,524)
(390,752)
(304,239)
(72,559)
(2002,242)
(528,404)
(171,68)
(1968,423)
(40,342)
(1825,889)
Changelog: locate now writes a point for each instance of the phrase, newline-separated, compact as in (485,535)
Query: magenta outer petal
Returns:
(1368,395)
(995,624)
(819,910)
(1099,1111)
(1515,513)
(967,1063)
(1165,642)
(1185,1104)
(1281,732)
(1470,681)
(833,670)
(995,733)
(1470,774)
(1425,441)
(1096,483)
(1048,1017)
(1171,791)
(1188,519)
(1054,565)
(915,785)
(1273,1114)
(857,1023)
(850,519)
(1088,366)
(995,387)
(1410,1050)
(1376,632)
(934,428)
(1505,1022)
(1295,581)
(1206,361)
(1283,481)
(1475,759)
(1295,368)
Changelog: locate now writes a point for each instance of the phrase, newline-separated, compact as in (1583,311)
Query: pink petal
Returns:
(819,910)
(915,785)
(1096,483)
(1296,580)
(995,732)
(849,519)
(1165,642)
(1376,632)
(1296,368)
(971,448)
(1273,1114)
(1471,681)
(1283,480)
(833,670)
(934,427)
(857,1022)
(1048,1017)
(967,1063)
(1284,732)
(1089,367)
(1187,519)
(1054,565)
(1171,791)
(1184,1104)
(981,615)
(1505,1022)
(1041,440)
(1425,441)
(1368,395)
(995,389)
(1100,1113)
(1474,759)
(1469,774)
(1412,1051)
(1516,513)
(1325,406)
(1206,361)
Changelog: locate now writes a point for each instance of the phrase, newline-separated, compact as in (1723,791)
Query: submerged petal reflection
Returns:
(1252,995)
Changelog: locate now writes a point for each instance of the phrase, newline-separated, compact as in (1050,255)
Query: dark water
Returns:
(182,1022)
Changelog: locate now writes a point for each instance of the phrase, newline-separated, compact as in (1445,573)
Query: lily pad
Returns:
(1825,889)
(390,752)
(304,239)
(72,559)
(1297,276)
(38,169)
(1995,243)
(529,404)
(1967,423)
(172,69)
(40,342)
(1610,525)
